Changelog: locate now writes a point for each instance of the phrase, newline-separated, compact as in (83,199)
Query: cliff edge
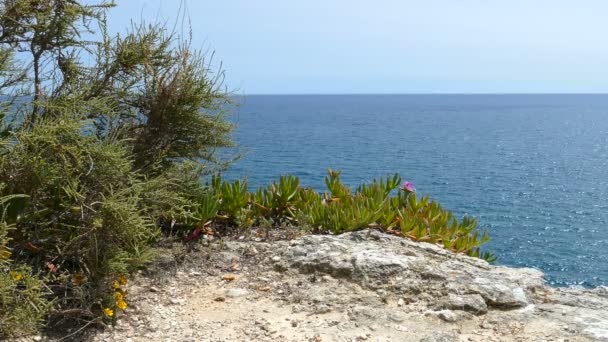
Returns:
(360,286)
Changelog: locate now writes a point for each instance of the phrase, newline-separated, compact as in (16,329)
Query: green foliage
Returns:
(50,32)
(278,200)
(206,209)
(23,303)
(377,204)
(426,221)
(380,189)
(372,205)
(337,190)
(168,99)
(233,197)
(348,215)
(147,87)
(87,213)
(108,136)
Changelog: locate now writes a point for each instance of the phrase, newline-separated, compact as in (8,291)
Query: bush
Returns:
(23,304)
(108,139)
(84,220)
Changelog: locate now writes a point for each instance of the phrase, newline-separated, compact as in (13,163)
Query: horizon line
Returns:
(416,94)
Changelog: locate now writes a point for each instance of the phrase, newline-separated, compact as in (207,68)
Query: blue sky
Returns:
(400,46)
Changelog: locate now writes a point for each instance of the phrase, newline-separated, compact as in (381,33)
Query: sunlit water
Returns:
(532,168)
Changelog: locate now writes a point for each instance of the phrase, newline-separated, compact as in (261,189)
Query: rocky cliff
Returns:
(353,287)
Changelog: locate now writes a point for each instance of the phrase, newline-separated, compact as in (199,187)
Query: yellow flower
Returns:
(122,280)
(118,296)
(5,254)
(16,276)
(109,312)
(121,304)
(115,285)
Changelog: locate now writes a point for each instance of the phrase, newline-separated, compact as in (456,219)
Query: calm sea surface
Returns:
(532,168)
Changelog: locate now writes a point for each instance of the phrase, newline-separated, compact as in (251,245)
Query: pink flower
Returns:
(409,187)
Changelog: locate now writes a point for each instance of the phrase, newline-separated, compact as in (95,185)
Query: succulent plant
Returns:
(381,204)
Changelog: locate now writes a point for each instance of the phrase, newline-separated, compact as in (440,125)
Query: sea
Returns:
(532,168)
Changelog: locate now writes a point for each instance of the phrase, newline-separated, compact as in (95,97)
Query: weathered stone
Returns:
(377,260)
(471,303)
(447,315)
(439,337)
(400,302)
(236,292)
(177,301)
(395,317)
(501,295)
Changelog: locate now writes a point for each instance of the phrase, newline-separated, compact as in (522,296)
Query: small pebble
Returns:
(176,301)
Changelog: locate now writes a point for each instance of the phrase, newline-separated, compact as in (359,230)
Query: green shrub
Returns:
(147,85)
(23,303)
(108,137)
(85,214)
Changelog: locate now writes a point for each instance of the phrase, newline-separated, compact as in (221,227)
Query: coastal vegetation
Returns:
(382,204)
(105,143)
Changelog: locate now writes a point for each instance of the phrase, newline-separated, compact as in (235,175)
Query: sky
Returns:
(395,46)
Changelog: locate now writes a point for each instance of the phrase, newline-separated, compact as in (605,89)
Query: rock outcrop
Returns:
(354,287)
(444,280)
(380,261)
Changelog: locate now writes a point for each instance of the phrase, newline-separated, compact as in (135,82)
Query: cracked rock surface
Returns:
(360,286)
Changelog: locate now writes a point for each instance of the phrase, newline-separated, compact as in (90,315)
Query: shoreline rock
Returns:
(359,286)
(377,260)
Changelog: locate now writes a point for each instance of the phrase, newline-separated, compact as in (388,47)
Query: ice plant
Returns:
(16,276)
(409,187)
(122,280)
(115,285)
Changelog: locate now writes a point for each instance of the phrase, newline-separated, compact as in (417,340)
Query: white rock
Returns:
(176,301)
(236,292)
(447,315)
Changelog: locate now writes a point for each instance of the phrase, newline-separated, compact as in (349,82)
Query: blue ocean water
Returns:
(532,168)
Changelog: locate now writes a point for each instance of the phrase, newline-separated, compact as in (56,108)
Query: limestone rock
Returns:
(447,315)
(378,260)
(236,292)
(473,303)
